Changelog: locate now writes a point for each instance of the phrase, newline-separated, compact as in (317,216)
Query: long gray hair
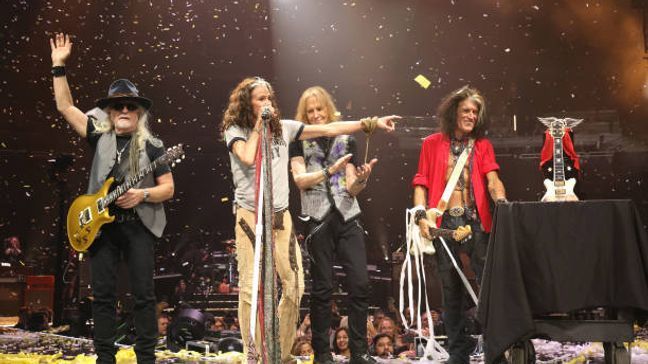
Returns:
(139,137)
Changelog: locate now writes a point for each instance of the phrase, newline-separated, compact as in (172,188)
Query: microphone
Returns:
(266,114)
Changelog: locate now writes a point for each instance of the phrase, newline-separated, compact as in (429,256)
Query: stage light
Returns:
(188,325)
(228,344)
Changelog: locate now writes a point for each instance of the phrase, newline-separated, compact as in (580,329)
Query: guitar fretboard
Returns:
(559,165)
(444,233)
(132,180)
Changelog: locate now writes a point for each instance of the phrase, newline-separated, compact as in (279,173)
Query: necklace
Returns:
(457,146)
(119,152)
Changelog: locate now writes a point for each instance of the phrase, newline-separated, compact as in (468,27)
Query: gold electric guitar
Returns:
(88,213)
(426,246)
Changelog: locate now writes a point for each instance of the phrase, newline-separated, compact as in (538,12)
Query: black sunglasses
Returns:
(119,106)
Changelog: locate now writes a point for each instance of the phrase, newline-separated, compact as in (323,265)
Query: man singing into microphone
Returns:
(242,123)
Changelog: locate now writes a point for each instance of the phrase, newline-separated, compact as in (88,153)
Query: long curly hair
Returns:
(324,98)
(447,111)
(239,110)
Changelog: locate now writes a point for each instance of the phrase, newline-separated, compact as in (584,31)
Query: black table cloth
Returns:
(558,257)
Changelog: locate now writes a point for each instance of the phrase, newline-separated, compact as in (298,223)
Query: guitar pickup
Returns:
(85,216)
(100,205)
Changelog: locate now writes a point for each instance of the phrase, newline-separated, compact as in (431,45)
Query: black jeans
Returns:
(136,243)
(334,237)
(455,296)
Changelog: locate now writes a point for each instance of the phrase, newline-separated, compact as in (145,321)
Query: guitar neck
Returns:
(559,163)
(444,233)
(130,182)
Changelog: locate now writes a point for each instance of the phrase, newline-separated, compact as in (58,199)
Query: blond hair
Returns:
(324,98)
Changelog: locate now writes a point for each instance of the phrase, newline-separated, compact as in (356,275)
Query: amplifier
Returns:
(12,291)
(40,292)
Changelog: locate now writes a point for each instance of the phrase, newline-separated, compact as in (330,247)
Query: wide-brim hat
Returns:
(123,90)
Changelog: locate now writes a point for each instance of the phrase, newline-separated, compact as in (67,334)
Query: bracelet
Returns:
(419,215)
(146,195)
(417,210)
(58,71)
(326,172)
(369,125)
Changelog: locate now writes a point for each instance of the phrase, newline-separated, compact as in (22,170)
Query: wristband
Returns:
(58,71)
(417,210)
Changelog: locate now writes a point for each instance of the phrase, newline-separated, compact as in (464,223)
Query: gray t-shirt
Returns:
(244,176)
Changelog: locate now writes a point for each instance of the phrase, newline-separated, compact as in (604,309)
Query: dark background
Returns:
(582,59)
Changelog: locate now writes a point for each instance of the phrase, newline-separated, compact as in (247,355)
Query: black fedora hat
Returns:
(123,90)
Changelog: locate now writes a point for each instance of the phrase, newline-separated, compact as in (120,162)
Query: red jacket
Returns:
(433,166)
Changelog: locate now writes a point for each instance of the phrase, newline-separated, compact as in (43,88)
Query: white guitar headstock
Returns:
(557,126)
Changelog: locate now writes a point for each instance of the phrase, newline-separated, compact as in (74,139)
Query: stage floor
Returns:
(17,346)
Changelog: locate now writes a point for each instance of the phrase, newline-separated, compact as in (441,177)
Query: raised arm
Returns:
(310,131)
(61,49)
(245,150)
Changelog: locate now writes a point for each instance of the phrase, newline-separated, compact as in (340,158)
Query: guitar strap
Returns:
(454,178)
(443,204)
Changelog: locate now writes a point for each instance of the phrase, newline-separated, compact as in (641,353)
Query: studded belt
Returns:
(457,211)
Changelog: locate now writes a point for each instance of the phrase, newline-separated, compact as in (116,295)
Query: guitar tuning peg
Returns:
(172,165)
(178,160)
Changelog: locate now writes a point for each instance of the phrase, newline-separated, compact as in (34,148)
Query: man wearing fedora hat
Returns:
(122,146)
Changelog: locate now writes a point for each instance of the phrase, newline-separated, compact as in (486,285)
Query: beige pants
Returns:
(292,281)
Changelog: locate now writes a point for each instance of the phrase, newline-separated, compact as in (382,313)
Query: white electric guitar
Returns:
(559,189)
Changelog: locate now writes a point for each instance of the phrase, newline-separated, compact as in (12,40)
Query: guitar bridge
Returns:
(85,216)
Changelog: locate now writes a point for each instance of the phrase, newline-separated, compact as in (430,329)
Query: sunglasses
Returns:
(119,106)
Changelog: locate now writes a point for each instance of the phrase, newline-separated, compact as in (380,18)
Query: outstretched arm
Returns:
(61,49)
(386,123)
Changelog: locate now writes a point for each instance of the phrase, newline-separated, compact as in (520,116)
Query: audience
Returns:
(302,347)
(383,346)
(163,323)
(341,342)
(387,326)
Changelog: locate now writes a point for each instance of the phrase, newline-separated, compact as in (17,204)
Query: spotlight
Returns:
(189,325)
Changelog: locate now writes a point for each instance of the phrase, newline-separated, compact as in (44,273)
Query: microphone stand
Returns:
(270,319)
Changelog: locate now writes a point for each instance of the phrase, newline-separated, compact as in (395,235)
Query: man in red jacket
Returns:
(462,116)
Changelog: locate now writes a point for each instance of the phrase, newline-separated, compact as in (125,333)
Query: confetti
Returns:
(423,81)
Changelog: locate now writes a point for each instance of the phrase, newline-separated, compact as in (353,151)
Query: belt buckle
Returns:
(456,211)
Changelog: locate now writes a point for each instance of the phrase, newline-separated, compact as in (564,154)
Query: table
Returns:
(559,257)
